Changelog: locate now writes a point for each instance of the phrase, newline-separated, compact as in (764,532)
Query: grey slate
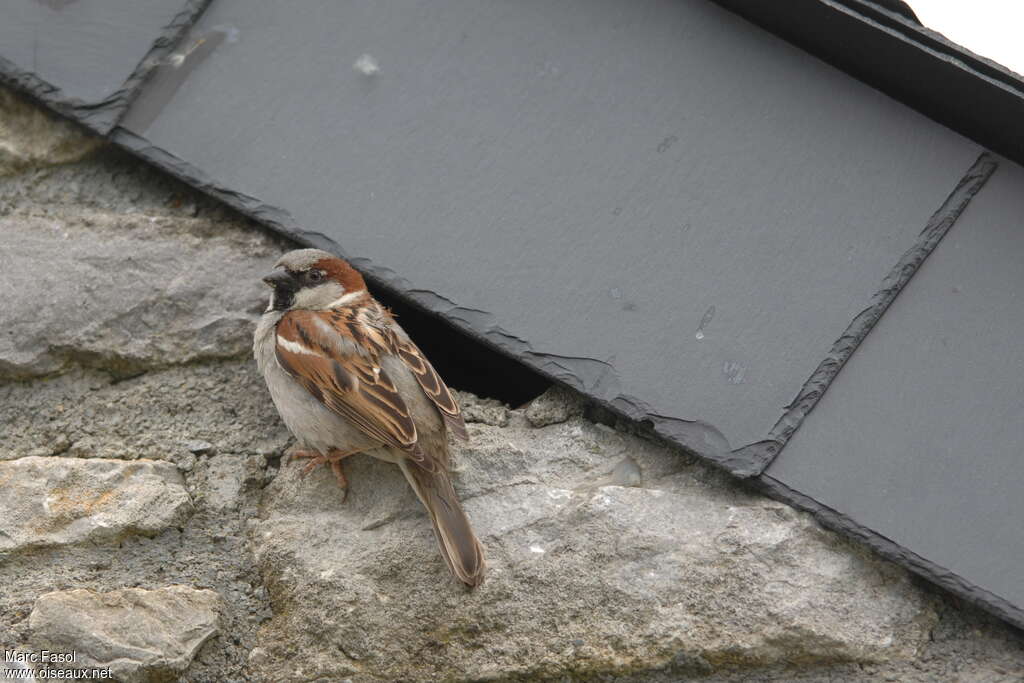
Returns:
(86,59)
(587,185)
(921,436)
(762,453)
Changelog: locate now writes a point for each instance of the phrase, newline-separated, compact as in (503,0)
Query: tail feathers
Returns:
(459,545)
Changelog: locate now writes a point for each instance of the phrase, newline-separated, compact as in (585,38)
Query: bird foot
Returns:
(333,457)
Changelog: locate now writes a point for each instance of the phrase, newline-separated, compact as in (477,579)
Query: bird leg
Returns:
(333,457)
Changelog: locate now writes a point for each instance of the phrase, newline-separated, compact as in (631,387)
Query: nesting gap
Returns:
(463,362)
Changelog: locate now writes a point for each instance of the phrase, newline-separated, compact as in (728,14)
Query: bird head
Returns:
(313,279)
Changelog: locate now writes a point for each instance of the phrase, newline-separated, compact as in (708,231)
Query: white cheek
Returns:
(317,297)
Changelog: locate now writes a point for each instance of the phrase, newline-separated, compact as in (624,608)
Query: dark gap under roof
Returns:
(463,360)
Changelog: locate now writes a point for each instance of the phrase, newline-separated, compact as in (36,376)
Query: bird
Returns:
(346,378)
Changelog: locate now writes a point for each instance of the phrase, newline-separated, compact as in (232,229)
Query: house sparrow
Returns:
(347,379)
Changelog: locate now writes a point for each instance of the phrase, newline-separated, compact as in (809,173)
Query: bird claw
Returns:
(333,458)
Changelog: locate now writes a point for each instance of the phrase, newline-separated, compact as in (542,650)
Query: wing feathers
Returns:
(351,384)
(335,355)
(432,386)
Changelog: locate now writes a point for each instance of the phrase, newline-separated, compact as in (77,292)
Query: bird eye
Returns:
(315,275)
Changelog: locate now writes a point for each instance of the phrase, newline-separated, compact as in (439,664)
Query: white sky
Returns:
(990,28)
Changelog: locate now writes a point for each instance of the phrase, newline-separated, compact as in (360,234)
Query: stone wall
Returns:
(153,524)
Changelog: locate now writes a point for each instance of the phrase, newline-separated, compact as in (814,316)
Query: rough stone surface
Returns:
(140,635)
(30,137)
(222,481)
(133,290)
(654,567)
(157,415)
(585,576)
(61,501)
(486,411)
(555,405)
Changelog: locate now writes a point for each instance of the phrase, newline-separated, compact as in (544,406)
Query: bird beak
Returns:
(279,279)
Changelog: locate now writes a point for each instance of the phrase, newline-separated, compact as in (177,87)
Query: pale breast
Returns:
(310,422)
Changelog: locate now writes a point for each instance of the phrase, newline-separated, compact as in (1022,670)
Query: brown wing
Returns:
(326,360)
(432,385)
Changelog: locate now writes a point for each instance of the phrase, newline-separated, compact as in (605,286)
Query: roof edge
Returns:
(975,96)
(891,550)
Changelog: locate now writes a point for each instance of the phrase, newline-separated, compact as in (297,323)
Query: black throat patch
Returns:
(283,298)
